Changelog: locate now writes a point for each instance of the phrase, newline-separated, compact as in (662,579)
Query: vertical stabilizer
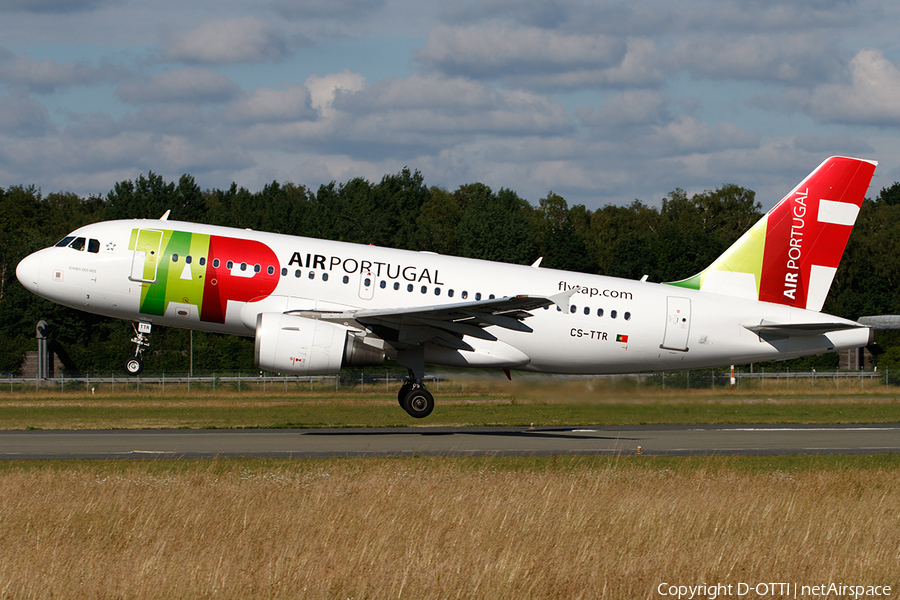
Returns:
(791,255)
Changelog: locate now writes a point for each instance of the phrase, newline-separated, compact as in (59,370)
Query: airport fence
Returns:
(362,382)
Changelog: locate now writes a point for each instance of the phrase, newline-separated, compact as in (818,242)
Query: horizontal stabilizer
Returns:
(882,322)
(784,330)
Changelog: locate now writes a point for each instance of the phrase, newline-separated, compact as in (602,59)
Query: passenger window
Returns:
(409,287)
(243,266)
(312,274)
(283,271)
(382,284)
(437,291)
(257,268)
(572,309)
(424,289)
(587,310)
(491,297)
(174,258)
(229,265)
(465,294)
(612,314)
(346,279)
(65,241)
(94,246)
(216,263)
(188,259)
(396,285)
(627,316)
(297,273)
(202,261)
(367,282)
(324,276)
(270,270)
(450,293)
(478,295)
(599,312)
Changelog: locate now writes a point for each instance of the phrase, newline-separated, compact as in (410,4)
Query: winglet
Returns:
(561,299)
(537,263)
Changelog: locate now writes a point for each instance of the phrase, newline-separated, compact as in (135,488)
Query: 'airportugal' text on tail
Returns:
(315,306)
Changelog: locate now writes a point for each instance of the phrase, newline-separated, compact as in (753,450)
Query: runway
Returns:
(658,440)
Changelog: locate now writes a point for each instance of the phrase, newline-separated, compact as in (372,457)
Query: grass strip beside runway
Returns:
(552,527)
(257,410)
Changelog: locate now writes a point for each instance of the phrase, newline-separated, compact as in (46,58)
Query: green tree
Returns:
(495,226)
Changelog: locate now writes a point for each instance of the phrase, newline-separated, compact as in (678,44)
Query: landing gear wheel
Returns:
(404,391)
(418,403)
(134,366)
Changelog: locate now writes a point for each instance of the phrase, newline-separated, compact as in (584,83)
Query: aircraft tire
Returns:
(419,403)
(403,393)
(134,366)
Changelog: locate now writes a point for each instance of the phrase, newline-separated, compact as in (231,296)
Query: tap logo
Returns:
(207,271)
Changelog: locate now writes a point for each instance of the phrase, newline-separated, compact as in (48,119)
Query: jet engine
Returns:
(301,346)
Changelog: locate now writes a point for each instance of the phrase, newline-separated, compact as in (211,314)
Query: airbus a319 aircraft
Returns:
(315,306)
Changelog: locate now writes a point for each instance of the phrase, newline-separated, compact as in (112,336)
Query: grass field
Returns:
(425,527)
(444,528)
(545,403)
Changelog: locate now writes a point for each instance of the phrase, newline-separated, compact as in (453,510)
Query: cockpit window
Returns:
(65,241)
(94,246)
(77,243)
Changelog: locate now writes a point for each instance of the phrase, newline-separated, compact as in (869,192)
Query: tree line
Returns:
(670,242)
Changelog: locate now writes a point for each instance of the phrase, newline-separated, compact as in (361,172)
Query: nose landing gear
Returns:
(134,366)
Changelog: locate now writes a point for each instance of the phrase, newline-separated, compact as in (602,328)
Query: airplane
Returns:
(315,306)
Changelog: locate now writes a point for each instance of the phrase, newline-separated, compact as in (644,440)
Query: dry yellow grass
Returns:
(408,528)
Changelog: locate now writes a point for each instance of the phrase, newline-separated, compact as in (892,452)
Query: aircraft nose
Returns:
(28,271)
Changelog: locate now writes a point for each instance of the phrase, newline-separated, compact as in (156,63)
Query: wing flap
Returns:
(447,324)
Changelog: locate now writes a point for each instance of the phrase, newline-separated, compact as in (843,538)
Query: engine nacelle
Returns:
(300,346)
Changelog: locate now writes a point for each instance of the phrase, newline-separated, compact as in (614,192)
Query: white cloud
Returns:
(333,9)
(800,57)
(629,108)
(266,105)
(323,90)
(525,55)
(21,116)
(435,111)
(190,84)
(871,96)
(46,76)
(56,6)
(230,41)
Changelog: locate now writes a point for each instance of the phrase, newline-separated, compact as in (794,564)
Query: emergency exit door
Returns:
(678,324)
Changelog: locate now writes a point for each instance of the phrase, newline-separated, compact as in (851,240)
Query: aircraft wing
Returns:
(446,324)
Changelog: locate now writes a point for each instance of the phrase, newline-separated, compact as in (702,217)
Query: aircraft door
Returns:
(366,284)
(146,256)
(678,324)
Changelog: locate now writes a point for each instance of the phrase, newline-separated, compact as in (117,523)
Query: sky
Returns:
(600,101)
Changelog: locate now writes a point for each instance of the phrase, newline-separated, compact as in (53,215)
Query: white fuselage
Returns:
(613,325)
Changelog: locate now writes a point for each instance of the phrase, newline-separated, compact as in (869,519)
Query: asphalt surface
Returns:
(660,440)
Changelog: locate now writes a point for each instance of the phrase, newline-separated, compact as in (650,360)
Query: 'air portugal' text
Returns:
(795,247)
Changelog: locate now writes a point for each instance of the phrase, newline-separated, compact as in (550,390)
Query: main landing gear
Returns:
(134,366)
(415,399)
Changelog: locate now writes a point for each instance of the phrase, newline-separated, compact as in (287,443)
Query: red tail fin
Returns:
(807,231)
(791,255)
